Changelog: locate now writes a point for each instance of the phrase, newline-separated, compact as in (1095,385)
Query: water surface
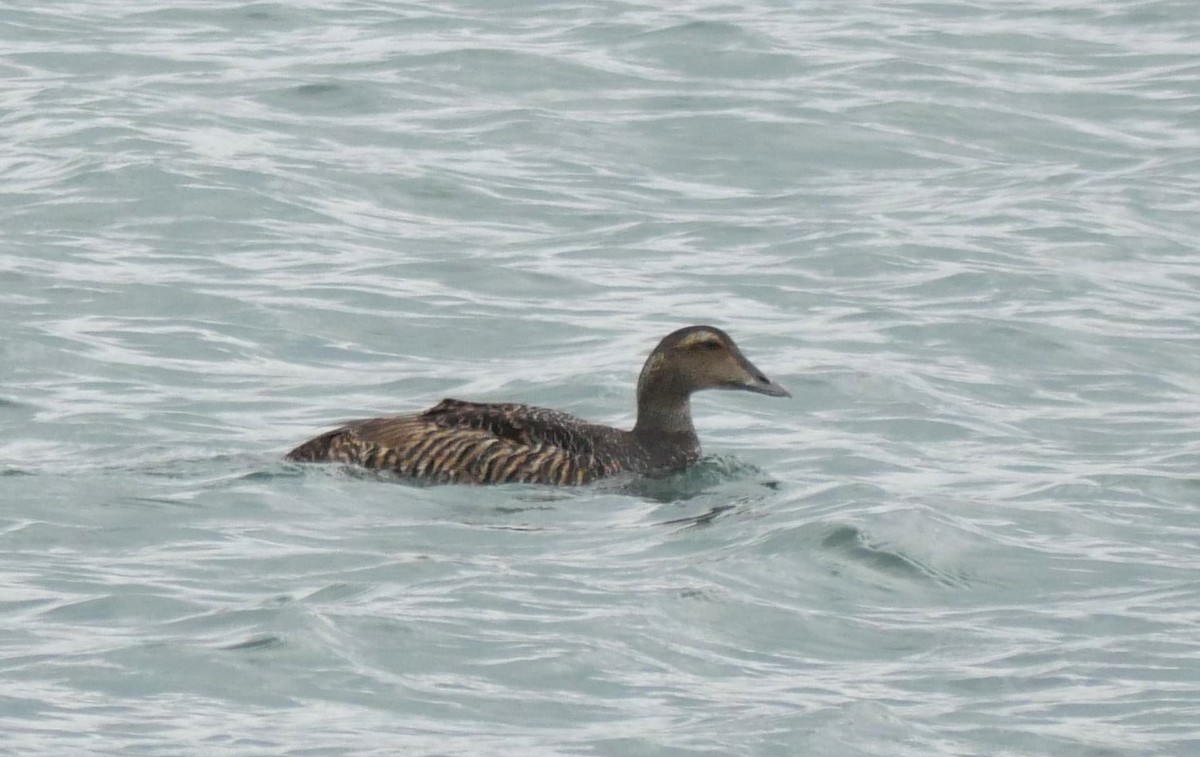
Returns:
(962,234)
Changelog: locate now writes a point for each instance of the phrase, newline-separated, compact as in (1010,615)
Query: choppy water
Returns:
(964,234)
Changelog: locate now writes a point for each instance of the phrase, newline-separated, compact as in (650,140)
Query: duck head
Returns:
(702,357)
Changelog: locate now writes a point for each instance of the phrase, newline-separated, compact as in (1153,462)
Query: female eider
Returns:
(477,443)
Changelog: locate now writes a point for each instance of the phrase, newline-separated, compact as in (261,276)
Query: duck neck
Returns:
(664,413)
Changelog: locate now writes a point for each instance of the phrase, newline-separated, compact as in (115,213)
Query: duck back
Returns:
(486,443)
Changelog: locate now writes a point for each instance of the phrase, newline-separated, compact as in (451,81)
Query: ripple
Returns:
(964,234)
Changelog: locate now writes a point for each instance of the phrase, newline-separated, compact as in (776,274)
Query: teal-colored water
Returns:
(964,235)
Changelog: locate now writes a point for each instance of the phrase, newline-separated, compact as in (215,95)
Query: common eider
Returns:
(478,443)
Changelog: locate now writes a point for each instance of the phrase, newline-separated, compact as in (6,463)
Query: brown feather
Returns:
(488,443)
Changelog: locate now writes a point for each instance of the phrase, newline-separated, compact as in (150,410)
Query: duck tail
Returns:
(318,449)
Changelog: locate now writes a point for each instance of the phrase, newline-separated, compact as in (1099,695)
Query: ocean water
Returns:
(963,234)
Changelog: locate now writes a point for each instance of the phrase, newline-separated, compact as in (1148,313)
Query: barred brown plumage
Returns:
(494,443)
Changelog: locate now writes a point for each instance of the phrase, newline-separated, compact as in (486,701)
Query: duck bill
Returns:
(757,381)
(768,387)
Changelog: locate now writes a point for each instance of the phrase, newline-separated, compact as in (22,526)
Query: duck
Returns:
(457,441)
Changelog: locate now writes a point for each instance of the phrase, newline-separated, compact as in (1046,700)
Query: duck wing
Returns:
(524,424)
